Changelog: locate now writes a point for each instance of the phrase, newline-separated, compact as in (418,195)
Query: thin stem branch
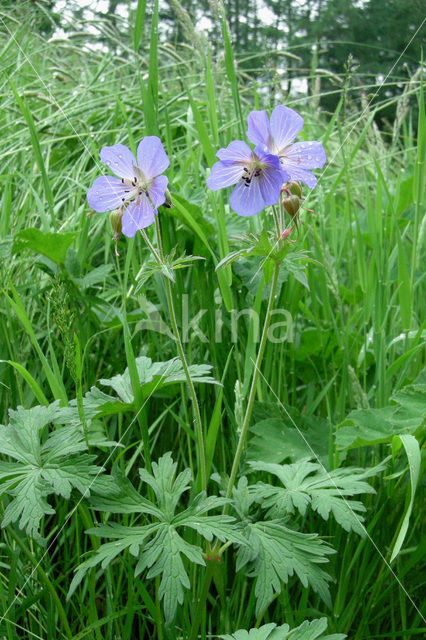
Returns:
(252,393)
(201,608)
(150,245)
(195,406)
(278,228)
(201,455)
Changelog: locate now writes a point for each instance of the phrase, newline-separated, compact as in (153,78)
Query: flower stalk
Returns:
(252,393)
(201,455)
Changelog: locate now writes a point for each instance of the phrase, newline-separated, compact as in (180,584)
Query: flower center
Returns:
(254,170)
(135,187)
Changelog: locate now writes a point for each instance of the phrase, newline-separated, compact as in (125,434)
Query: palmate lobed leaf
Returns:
(275,439)
(28,504)
(44,464)
(153,376)
(167,266)
(163,556)
(131,538)
(364,427)
(124,498)
(73,472)
(167,488)
(308,484)
(313,630)
(275,553)
(20,439)
(159,546)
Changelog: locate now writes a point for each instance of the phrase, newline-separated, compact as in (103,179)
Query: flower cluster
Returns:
(139,188)
(258,174)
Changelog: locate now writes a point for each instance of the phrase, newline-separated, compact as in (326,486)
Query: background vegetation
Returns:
(350,375)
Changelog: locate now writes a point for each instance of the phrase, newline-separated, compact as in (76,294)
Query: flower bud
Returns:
(292,205)
(115,220)
(168,203)
(286,233)
(294,187)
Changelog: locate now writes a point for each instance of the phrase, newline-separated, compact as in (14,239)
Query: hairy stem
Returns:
(201,455)
(201,608)
(252,393)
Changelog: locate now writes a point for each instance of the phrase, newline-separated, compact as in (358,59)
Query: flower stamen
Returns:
(255,172)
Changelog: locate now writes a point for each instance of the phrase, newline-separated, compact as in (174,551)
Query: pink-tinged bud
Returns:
(294,187)
(286,233)
(292,205)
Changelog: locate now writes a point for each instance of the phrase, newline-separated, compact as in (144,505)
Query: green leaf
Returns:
(313,630)
(153,66)
(163,556)
(73,472)
(413,397)
(412,450)
(153,377)
(26,111)
(28,505)
(202,130)
(52,245)
(167,266)
(275,553)
(73,431)
(131,538)
(139,22)
(159,546)
(72,263)
(221,527)
(293,263)
(168,489)
(276,439)
(124,499)
(231,257)
(192,216)
(375,426)
(93,277)
(404,287)
(33,384)
(230,67)
(307,483)
(43,464)
(56,385)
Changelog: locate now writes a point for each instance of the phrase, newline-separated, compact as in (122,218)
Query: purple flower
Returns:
(277,136)
(256,174)
(139,188)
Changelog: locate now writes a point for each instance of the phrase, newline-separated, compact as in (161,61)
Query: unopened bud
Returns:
(168,203)
(295,187)
(115,220)
(292,205)
(286,233)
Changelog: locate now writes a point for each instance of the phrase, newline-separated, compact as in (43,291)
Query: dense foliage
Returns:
(309,527)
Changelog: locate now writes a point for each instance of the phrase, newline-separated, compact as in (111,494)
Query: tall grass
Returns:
(358,328)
